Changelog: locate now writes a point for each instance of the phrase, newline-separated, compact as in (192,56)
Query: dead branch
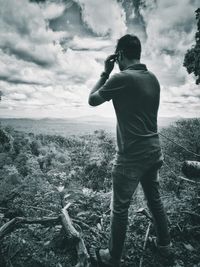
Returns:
(63,219)
(8,227)
(144,212)
(84,258)
(86,226)
(191,213)
(44,221)
(16,222)
(179,228)
(180,177)
(193,228)
(72,233)
(38,208)
(145,243)
(187,180)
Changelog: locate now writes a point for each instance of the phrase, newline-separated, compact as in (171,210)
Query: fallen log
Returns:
(181,177)
(191,169)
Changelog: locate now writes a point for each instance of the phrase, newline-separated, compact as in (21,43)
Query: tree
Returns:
(192,57)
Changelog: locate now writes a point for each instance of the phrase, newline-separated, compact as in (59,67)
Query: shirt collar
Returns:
(138,66)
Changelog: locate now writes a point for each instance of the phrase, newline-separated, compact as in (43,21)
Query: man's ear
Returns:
(121,55)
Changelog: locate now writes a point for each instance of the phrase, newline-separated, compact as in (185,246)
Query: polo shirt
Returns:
(135,93)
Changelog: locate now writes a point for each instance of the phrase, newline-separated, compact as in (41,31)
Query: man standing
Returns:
(135,93)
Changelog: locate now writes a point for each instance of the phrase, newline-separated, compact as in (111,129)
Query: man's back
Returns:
(135,93)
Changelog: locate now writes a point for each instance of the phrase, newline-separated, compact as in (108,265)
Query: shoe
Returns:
(97,261)
(164,251)
(93,257)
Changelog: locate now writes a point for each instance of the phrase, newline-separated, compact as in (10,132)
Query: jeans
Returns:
(125,182)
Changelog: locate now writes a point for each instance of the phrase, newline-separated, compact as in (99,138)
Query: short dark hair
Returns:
(130,45)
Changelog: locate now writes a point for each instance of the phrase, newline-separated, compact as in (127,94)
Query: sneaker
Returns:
(164,251)
(102,258)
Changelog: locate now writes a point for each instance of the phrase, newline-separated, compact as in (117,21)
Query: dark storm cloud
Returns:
(71,21)
(191,95)
(28,55)
(134,19)
(14,80)
(37,1)
(171,102)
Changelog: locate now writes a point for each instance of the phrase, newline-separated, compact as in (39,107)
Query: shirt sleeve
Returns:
(113,87)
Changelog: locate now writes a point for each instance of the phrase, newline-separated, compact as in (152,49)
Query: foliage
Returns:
(37,170)
(192,57)
(186,134)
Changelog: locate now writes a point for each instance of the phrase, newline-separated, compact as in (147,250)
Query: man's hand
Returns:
(109,63)
(94,97)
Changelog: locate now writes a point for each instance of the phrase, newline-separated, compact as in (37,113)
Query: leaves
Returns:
(188,247)
(192,57)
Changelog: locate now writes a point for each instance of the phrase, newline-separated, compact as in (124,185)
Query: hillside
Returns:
(37,170)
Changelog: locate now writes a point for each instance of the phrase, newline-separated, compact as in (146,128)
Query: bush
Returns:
(186,133)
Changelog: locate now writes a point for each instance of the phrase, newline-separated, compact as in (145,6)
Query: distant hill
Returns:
(95,118)
(71,126)
(62,127)
(167,121)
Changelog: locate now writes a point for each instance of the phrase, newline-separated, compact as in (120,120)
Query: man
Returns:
(135,93)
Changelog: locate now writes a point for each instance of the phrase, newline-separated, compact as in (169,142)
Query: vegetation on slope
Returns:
(37,170)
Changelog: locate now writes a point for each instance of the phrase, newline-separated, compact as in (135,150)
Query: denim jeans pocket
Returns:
(128,173)
(131,173)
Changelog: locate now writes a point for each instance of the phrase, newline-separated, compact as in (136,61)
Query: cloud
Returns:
(38,55)
(18,71)
(49,100)
(52,53)
(18,96)
(169,25)
(181,100)
(170,32)
(26,41)
(105,17)
(24,33)
(53,10)
(90,43)
(16,80)
(134,20)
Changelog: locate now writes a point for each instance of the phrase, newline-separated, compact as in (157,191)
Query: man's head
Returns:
(128,50)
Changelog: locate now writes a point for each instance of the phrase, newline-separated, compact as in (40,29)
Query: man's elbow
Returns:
(91,101)
(95,100)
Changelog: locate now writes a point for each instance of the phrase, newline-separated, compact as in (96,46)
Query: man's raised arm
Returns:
(95,98)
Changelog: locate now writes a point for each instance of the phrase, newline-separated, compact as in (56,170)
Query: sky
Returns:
(52,53)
